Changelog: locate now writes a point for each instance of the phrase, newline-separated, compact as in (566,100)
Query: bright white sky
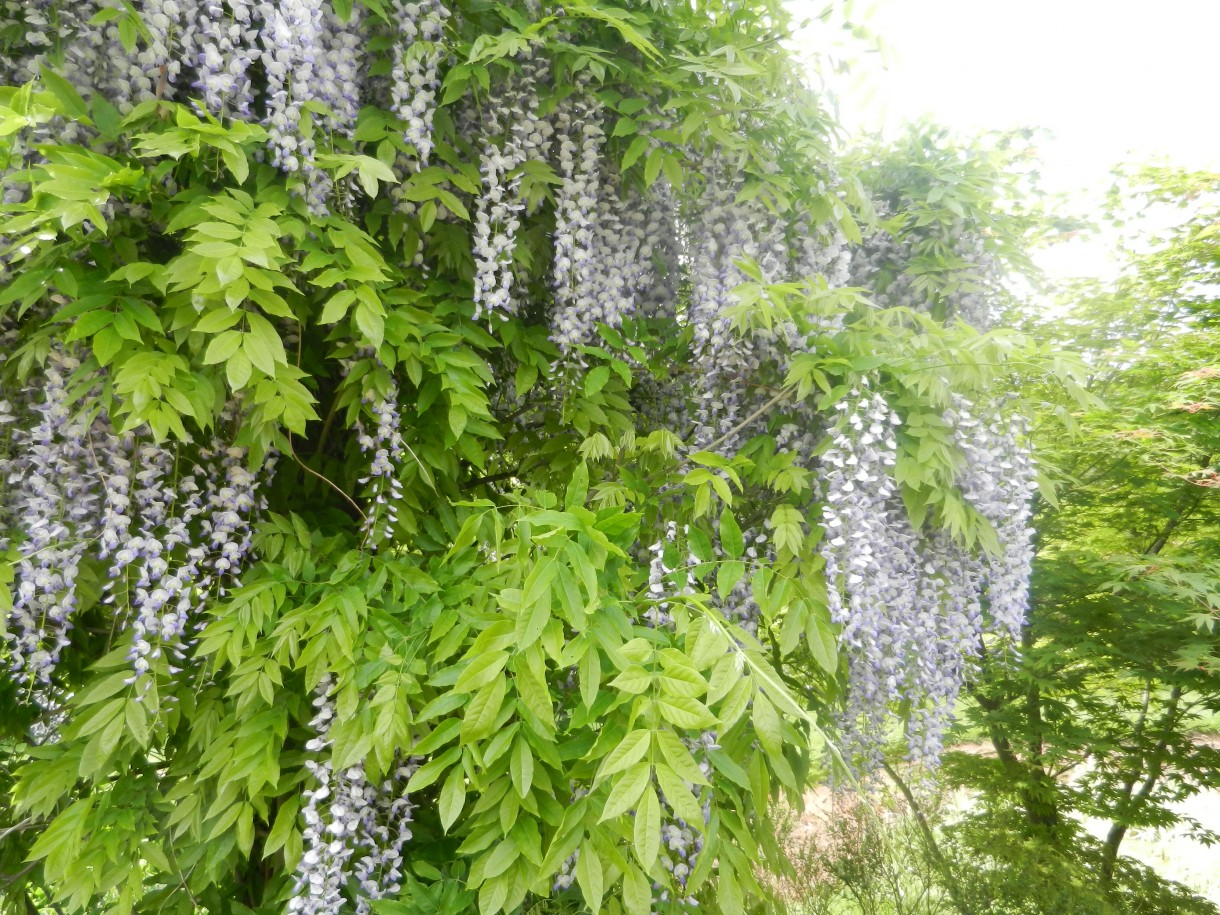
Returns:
(1112,80)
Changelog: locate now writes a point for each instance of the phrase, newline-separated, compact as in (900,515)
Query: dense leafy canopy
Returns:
(432,436)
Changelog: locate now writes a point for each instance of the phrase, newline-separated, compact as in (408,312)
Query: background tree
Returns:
(1118,662)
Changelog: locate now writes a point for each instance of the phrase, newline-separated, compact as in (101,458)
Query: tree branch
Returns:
(929,837)
(783,394)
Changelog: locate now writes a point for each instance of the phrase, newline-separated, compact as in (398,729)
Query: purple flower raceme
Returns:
(910,602)
(345,816)
(153,596)
(195,531)
(387,449)
(321,872)
(998,479)
(415,78)
(339,69)
(56,499)
(513,114)
(291,34)
(225,47)
(728,231)
(385,831)
(574,270)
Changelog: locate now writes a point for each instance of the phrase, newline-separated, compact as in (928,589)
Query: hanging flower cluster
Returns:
(295,64)
(910,605)
(512,114)
(346,816)
(82,489)
(893,267)
(55,501)
(722,354)
(415,80)
(998,479)
(872,567)
(387,449)
(579,128)
(226,48)
(729,231)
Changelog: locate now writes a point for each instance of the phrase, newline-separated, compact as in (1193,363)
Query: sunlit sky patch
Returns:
(1111,80)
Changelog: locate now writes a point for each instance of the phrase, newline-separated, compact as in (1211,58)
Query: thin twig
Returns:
(335,486)
(27,823)
(929,837)
(784,393)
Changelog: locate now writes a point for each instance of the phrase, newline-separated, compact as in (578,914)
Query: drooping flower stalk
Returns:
(998,479)
(291,33)
(56,501)
(512,114)
(346,817)
(387,450)
(414,78)
(225,47)
(911,604)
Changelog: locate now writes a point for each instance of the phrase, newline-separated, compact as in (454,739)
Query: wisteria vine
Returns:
(172,525)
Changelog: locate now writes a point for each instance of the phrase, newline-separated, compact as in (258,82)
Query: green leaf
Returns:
(442,734)
(522,766)
(234,158)
(534,616)
(229,270)
(637,892)
(685,712)
(371,171)
(730,535)
(106,345)
(767,725)
(679,758)
(72,105)
(263,344)
(371,323)
(457,420)
(596,380)
(336,306)
(238,370)
(215,321)
(589,876)
(590,675)
(483,710)
(633,680)
(222,347)
(678,796)
(624,127)
(452,798)
(625,791)
(638,147)
(285,825)
(481,671)
(652,166)
(630,750)
(578,487)
(820,637)
(727,577)
(648,829)
(729,895)
(433,769)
